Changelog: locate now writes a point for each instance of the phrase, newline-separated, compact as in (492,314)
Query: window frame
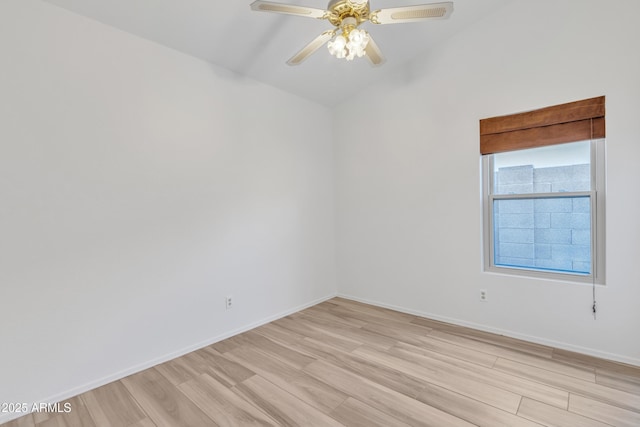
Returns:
(597,202)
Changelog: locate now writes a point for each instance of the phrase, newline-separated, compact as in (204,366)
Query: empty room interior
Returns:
(202,224)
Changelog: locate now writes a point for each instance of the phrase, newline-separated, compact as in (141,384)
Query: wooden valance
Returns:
(575,121)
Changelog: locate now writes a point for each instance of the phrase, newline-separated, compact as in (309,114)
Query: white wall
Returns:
(408,174)
(138,188)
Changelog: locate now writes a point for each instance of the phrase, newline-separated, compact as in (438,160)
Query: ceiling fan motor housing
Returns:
(341,9)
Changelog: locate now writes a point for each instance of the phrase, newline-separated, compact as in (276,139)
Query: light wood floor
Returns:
(347,363)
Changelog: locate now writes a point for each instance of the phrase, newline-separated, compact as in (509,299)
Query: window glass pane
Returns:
(551,169)
(550,233)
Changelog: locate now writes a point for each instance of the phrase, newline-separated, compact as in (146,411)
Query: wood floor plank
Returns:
(398,329)
(326,305)
(591,361)
(144,423)
(222,405)
(305,387)
(395,404)
(23,421)
(277,334)
(222,368)
(113,406)
(285,408)
(177,370)
(39,417)
(368,309)
(228,344)
(612,374)
(573,385)
(604,412)
(369,316)
(351,318)
(461,340)
(521,386)
(519,356)
(456,351)
(387,377)
(404,333)
(618,380)
(554,417)
(352,336)
(338,334)
(469,409)
(520,346)
(325,314)
(437,325)
(583,373)
(77,417)
(204,361)
(165,404)
(454,381)
(286,354)
(354,413)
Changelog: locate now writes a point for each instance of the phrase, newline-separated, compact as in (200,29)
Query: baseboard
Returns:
(512,334)
(4,418)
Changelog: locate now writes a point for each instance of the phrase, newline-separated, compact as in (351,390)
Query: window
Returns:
(544,201)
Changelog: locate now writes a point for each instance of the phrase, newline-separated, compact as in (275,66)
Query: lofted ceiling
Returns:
(257,44)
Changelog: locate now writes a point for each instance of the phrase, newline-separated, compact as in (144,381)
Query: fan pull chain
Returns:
(593,257)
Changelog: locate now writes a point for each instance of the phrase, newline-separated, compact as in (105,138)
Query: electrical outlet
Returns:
(483,295)
(229,302)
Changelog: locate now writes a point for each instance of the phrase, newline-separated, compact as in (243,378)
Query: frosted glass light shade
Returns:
(349,46)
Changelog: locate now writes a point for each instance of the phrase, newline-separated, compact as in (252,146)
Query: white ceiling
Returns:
(257,44)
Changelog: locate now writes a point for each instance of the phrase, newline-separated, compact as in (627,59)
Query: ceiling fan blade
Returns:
(373,52)
(288,9)
(397,15)
(315,44)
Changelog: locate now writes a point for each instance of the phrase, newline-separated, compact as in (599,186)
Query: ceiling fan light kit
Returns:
(347,40)
(351,43)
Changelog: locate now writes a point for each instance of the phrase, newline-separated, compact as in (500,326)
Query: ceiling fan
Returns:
(346,40)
